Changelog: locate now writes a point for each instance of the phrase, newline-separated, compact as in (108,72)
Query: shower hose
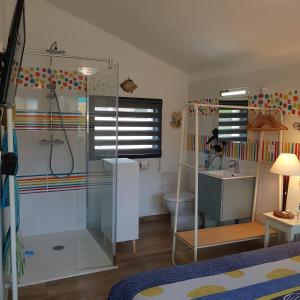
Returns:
(54,95)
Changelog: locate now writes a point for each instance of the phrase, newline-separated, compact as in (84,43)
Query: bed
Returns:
(264,274)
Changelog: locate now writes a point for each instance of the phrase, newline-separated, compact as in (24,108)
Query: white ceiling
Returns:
(204,38)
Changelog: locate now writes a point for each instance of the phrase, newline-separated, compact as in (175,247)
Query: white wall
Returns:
(2,20)
(155,79)
(278,79)
(2,24)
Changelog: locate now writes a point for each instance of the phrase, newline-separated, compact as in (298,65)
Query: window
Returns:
(139,127)
(233,122)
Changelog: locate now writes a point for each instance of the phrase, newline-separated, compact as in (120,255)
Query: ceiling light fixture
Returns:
(234,93)
(87,71)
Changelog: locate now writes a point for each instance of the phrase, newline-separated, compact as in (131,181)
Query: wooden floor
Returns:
(153,251)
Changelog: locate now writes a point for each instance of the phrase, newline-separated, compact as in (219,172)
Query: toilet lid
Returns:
(183,197)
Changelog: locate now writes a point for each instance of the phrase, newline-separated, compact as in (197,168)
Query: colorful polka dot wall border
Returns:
(204,111)
(288,102)
(39,77)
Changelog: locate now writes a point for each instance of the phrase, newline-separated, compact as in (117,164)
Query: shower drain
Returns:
(58,247)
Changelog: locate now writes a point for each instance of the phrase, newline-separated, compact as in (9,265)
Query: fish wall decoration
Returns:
(128,86)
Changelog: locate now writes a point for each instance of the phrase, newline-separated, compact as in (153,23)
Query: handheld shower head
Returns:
(53,50)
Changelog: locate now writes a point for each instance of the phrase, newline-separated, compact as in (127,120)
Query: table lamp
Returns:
(286,164)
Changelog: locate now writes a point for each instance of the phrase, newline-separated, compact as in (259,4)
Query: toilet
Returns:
(185,219)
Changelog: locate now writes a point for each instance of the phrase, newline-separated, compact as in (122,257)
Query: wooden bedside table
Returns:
(290,227)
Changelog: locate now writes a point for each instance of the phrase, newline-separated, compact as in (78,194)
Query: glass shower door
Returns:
(102,157)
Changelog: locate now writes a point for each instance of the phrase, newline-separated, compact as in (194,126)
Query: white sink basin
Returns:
(225,174)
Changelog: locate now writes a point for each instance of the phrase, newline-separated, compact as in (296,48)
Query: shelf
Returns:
(222,235)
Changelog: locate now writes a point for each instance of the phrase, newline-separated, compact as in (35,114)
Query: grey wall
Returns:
(2,23)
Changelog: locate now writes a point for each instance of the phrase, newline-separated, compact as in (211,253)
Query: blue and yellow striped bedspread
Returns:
(272,273)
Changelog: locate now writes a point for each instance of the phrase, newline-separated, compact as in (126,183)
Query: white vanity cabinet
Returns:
(127,200)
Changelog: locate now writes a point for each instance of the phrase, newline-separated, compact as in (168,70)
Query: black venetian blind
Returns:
(233,123)
(139,127)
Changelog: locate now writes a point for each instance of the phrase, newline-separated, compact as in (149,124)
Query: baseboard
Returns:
(162,217)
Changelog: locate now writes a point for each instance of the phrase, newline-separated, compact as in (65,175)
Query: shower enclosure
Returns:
(63,187)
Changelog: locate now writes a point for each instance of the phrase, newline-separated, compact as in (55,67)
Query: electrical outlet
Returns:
(271,149)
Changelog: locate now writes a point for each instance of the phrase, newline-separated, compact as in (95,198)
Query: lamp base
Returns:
(286,180)
(283,214)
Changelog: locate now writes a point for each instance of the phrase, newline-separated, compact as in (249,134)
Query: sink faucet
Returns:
(235,164)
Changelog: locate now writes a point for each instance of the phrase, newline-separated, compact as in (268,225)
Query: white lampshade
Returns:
(286,164)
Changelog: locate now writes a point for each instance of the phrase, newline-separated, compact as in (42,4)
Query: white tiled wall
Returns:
(50,211)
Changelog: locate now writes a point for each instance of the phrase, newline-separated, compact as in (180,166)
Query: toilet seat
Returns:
(183,197)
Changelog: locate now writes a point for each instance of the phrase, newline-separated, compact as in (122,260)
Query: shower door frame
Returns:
(111,65)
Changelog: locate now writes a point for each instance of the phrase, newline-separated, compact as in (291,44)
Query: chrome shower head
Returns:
(53,50)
